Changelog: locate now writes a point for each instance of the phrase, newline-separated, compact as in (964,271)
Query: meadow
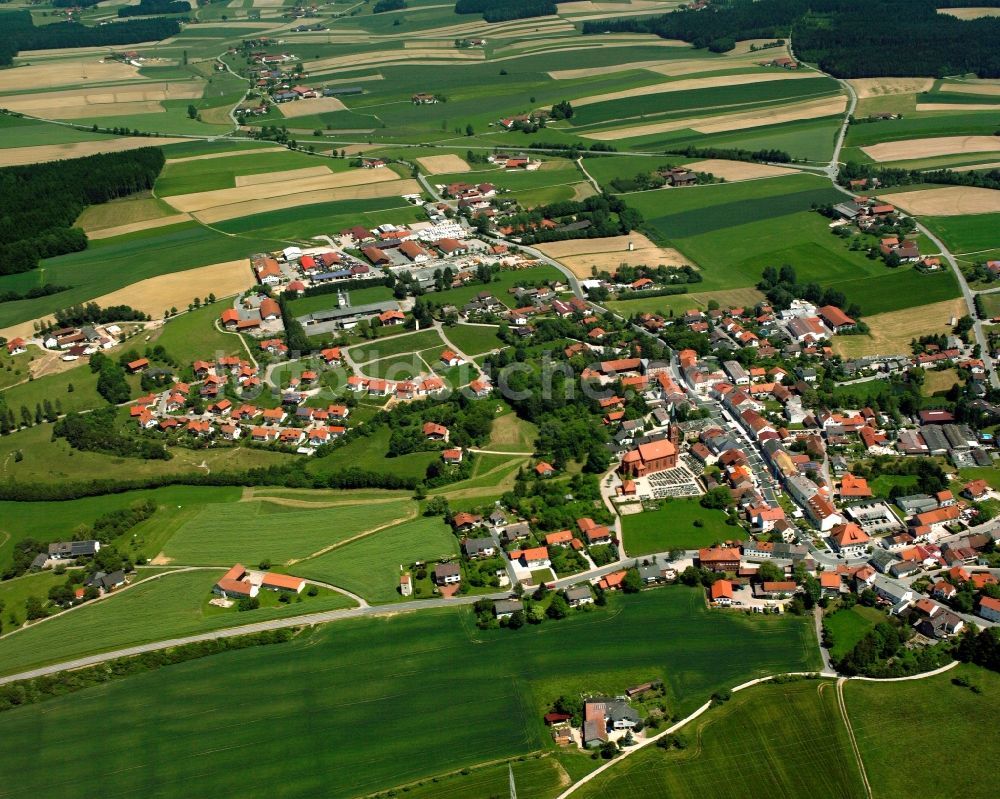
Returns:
(56,521)
(369,453)
(256,531)
(500,286)
(926,711)
(46,460)
(966,234)
(328,218)
(369,567)
(83,393)
(679,524)
(156,609)
(397,345)
(322,302)
(850,625)
(734,230)
(194,336)
(188,177)
(364,691)
(811,756)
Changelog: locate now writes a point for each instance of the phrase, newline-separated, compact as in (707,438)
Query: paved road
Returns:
(256,627)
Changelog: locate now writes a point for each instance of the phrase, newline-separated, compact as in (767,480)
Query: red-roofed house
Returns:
(849,540)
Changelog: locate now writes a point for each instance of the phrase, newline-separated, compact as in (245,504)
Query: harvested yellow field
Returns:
(958,107)
(121,212)
(135,227)
(202,200)
(581,256)
(390,55)
(15,156)
(931,148)
(178,288)
(314,105)
(110,101)
(230,154)
(738,170)
(971,167)
(278,177)
(583,190)
(970,13)
(892,332)
(948,201)
(588,7)
(972,87)
(79,72)
(443,164)
(693,83)
(726,122)
(879,87)
(276,203)
(412,44)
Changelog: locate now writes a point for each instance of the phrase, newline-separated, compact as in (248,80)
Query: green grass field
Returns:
(56,521)
(365,690)
(189,177)
(673,527)
(474,339)
(499,287)
(165,607)
(849,625)
(811,756)
(193,335)
(254,531)
(109,264)
(926,711)
(47,460)
(369,452)
(370,567)
(397,345)
(56,387)
(735,230)
(966,234)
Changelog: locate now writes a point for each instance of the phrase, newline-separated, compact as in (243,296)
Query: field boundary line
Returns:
(850,734)
(408,518)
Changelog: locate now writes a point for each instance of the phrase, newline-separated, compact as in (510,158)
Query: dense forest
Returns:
(39,203)
(847,38)
(147,8)
(18,32)
(504,10)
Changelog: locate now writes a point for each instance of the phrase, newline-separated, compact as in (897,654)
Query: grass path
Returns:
(409,517)
(850,734)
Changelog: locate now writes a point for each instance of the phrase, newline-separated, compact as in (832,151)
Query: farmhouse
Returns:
(283,582)
(74,549)
(719,559)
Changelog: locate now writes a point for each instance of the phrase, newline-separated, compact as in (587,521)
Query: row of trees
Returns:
(886,176)
(504,10)
(18,32)
(39,203)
